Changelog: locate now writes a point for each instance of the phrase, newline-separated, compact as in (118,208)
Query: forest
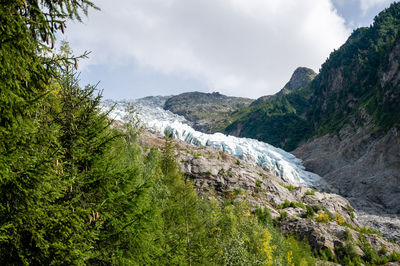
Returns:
(75,189)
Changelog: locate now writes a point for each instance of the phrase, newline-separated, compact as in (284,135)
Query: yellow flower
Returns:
(267,248)
(290,258)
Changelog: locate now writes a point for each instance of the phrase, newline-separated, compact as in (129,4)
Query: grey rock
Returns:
(300,78)
(218,176)
(209,112)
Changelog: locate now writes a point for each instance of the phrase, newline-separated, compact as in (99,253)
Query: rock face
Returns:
(361,161)
(152,116)
(301,77)
(345,125)
(362,167)
(209,112)
(220,176)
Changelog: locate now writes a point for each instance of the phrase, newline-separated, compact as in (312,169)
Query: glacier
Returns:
(150,112)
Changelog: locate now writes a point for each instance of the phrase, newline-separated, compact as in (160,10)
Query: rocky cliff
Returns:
(300,78)
(325,220)
(357,111)
(209,112)
(345,123)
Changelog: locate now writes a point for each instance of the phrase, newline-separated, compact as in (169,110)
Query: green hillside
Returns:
(355,79)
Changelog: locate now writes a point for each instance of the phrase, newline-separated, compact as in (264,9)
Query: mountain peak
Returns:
(300,78)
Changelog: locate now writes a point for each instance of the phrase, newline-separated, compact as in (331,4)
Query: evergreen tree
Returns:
(28,136)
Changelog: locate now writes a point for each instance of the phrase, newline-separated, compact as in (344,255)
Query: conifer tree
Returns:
(28,136)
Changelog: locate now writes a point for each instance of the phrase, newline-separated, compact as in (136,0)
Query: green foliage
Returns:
(368,231)
(258,183)
(291,204)
(290,187)
(309,212)
(323,217)
(310,192)
(276,122)
(360,61)
(327,255)
(197,155)
(283,215)
(33,226)
(238,191)
(76,191)
(349,82)
(347,254)
(351,213)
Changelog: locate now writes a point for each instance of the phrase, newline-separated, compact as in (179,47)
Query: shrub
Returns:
(309,212)
(368,231)
(290,187)
(310,192)
(323,217)
(291,204)
(327,255)
(339,219)
(258,183)
(283,215)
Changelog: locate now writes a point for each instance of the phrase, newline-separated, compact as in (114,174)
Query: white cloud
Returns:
(368,4)
(238,47)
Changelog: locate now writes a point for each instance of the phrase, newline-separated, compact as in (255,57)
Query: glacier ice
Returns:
(280,163)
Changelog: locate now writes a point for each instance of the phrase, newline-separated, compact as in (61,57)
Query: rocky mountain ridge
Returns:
(300,78)
(345,123)
(209,112)
(325,220)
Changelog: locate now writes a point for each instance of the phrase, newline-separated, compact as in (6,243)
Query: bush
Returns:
(291,204)
(283,215)
(290,187)
(310,192)
(327,255)
(323,217)
(309,212)
(339,219)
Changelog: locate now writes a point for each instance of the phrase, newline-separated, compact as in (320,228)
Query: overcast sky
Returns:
(244,48)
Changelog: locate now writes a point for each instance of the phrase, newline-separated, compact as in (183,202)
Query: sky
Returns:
(246,48)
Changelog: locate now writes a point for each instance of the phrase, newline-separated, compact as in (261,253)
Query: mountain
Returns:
(345,124)
(320,218)
(282,164)
(356,116)
(268,180)
(277,119)
(301,77)
(209,112)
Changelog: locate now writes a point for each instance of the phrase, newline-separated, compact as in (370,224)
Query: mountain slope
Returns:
(277,119)
(357,102)
(347,118)
(300,78)
(209,112)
